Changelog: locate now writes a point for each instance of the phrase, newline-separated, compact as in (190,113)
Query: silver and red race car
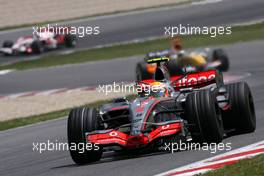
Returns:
(191,105)
(43,40)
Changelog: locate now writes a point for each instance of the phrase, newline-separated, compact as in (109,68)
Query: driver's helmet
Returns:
(159,89)
(176,44)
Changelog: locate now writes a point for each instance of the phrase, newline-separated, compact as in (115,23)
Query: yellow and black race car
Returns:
(180,60)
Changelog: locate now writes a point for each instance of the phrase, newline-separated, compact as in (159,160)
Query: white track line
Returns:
(217,161)
(228,78)
(206,2)
(3,72)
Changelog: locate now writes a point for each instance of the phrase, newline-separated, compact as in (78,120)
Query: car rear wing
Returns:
(194,80)
(197,79)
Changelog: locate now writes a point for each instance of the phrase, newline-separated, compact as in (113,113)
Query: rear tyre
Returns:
(204,117)
(142,72)
(37,47)
(70,40)
(8,44)
(220,55)
(80,121)
(241,115)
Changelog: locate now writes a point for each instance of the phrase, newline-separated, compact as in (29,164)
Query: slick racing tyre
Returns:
(241,114)
(220,55)
(141,72)
(37,47)
(80,121)
(70,40)
(204,118)
(7,44)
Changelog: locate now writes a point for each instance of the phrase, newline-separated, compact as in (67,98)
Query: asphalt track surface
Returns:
(120,28)
(17,157)
(98,73)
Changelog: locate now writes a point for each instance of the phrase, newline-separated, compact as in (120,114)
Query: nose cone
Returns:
(139,108)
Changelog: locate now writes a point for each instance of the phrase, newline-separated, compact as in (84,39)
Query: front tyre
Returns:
(70,40)
(37,47)
(203,116)
(80,121)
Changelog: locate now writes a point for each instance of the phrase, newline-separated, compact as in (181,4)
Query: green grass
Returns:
(239,34)
(248,167)
(4,125)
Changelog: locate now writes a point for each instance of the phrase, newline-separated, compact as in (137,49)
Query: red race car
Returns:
(193,105)
(43,40)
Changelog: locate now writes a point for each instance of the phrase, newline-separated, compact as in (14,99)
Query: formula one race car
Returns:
(43,40)
(200,60)
(194,105)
